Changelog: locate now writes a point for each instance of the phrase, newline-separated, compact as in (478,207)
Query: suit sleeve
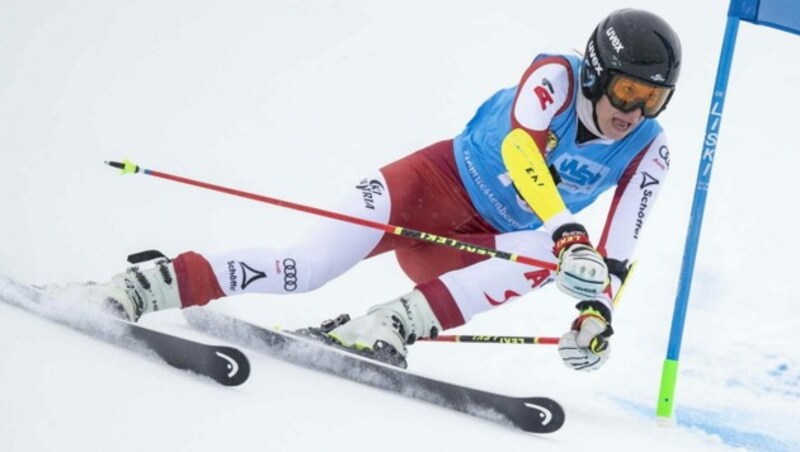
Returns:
(544,91)
(633,201)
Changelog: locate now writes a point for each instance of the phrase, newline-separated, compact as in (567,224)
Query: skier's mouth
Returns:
(620,125)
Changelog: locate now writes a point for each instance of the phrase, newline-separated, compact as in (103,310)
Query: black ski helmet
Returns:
(632,42)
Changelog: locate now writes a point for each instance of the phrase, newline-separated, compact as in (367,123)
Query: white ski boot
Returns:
(386,329)
(136,292)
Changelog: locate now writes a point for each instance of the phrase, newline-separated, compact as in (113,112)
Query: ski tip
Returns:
(543,415)
(236,366)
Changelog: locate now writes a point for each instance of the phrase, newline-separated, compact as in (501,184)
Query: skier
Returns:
(593,120)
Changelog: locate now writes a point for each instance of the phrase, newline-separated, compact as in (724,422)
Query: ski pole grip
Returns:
(126,166)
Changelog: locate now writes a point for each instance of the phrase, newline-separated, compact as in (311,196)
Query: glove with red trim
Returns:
(582,271)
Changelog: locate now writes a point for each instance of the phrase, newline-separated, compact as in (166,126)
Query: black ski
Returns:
(531,414)
(225,365)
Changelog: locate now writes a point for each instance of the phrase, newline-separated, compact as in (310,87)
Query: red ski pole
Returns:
(128,167)
(477,339)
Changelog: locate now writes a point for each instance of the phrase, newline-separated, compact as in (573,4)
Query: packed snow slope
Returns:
(298,99)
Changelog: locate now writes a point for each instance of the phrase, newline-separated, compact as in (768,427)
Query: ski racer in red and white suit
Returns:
(460,188)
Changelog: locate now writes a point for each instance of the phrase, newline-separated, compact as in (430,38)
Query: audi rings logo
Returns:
(289,275)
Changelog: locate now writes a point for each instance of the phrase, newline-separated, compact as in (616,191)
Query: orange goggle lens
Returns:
(627,94)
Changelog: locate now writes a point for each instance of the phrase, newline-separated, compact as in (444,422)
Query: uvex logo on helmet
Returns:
(598,68)
(616,43)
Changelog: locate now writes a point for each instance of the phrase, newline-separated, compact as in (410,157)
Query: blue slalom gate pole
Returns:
(669,373)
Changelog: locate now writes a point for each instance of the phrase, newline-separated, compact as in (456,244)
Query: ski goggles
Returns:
(628,93)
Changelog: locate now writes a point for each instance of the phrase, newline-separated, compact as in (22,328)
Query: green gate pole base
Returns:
(666,396)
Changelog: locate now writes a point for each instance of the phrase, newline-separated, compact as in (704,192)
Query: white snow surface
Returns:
(298,99)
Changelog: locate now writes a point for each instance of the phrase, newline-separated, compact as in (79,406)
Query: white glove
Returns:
(582,271)
(586,346)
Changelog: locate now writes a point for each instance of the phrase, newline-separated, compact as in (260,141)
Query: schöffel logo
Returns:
(369,190)
(647,180)
(644,203)
(249,275)
(580,174)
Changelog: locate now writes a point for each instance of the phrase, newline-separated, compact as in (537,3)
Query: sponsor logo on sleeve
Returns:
(663,152)
(647,181)
(544,92)
(370,190)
